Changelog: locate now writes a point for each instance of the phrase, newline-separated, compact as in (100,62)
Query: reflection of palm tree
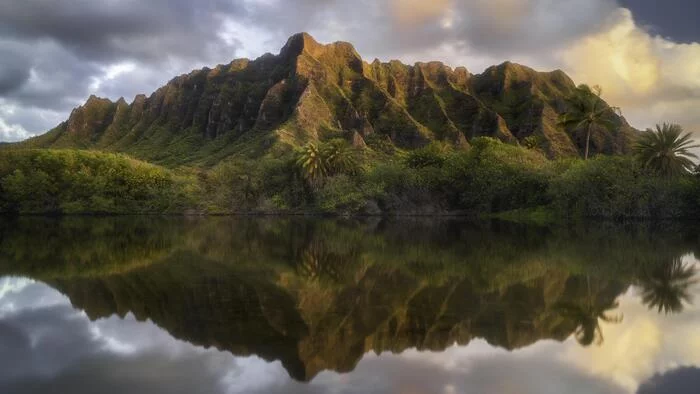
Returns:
(587,318)
(316,262)
(666,287)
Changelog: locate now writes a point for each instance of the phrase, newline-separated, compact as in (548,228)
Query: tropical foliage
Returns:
(316,161)
(587,112)
(667,150)
(70,181)
(331,176)
(666,287)
(312,162)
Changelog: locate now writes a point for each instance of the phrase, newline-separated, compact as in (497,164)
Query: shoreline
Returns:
(510,217)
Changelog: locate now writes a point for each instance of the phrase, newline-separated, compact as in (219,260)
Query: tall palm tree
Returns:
(666,150)
(666,287)
(588,111)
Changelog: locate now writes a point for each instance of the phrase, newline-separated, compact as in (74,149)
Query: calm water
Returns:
(221,305)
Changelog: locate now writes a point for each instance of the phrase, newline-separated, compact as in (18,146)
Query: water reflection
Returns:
(588,315)
(666,287)
(213,301)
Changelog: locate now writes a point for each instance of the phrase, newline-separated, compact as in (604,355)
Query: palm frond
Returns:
(666,150)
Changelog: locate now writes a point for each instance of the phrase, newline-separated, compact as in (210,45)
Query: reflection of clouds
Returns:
(630,349)
(254,374)
(47,346)
(645,344)
(486,374)
(680,381)
(10,286)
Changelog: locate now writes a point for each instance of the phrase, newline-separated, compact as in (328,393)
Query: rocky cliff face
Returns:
(309,91)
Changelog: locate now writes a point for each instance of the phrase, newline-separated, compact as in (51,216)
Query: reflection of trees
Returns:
(587,316)
(666,287)
(319,294)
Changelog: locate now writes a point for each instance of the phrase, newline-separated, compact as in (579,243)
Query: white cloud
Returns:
(111,73)
(12,132)
(653,79)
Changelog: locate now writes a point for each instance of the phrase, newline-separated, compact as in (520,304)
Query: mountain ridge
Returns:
(311,91)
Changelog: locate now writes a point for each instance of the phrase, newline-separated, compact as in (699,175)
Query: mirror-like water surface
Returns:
(223,305)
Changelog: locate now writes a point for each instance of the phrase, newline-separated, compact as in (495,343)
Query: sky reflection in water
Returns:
(48,345)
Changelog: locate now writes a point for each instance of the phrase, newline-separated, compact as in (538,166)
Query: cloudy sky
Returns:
(55,53)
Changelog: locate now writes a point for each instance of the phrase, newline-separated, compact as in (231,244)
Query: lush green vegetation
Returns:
(71,181)
(333,177)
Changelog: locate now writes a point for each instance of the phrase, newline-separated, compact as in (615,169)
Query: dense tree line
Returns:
(72,181)
(334,177)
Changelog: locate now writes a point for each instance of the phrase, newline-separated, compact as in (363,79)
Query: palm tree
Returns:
(330,158)
(588,111)
(312,162)
(666,287)
(666,150)
(340,157)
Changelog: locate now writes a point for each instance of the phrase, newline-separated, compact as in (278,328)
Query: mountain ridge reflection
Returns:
(319,294)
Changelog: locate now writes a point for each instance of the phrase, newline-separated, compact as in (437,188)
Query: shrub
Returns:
(432,155)
(615,187)
(498,177)
(63,181)
(341,194)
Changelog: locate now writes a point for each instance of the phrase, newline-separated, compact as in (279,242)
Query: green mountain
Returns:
(311,91)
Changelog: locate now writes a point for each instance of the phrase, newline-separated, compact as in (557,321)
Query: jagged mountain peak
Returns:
(299,43)
(311,90)
(304,43)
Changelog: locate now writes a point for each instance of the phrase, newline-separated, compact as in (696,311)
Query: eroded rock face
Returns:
(310,88)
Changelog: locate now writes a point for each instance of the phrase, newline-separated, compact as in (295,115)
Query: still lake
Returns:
(291,305)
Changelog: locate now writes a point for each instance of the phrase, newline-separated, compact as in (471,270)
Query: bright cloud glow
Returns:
(654,80)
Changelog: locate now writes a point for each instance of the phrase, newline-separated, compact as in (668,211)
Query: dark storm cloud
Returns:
(679,381)
(53,52)
(60,78)
(115,30)
(675,19)
(13,70)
